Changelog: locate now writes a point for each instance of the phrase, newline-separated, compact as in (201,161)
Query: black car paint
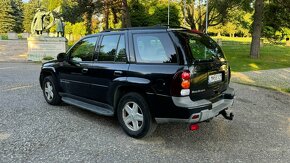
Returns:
(102,81)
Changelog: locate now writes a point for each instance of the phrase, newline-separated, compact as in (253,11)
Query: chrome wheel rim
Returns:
(132,116)
(48,91)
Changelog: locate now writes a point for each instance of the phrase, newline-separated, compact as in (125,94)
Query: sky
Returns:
(25,0)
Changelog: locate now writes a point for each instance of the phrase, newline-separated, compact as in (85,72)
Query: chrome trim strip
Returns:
(68,81)
(157,94)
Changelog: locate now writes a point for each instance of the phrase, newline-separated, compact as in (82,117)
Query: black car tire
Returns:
(50,91)
(147,126)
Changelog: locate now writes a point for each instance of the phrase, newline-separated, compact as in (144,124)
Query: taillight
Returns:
(185,83)
(181,84)
(185,75)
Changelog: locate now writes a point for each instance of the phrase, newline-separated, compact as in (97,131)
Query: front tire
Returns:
(50,91)
(134,116)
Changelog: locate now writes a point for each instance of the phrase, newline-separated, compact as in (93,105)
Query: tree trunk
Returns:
(200,28)
(125,15)
(107,12)
(257,28)
(88,21)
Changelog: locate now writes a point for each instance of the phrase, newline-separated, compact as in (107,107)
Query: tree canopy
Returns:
(11,16)
(226,17)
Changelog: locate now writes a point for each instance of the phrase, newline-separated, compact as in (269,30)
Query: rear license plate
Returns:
(215,78)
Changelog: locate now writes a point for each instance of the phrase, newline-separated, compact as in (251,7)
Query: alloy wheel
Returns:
(48,90)
(132,116)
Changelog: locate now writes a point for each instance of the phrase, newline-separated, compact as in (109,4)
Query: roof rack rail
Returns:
(171,26)
(136,28)
(158,26)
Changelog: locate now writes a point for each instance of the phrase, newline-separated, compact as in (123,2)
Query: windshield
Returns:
(200,46)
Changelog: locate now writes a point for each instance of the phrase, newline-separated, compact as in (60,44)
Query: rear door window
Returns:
(112,49)
(154,48)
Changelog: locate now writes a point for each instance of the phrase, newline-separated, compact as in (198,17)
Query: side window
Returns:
(108,48)
(84,50)
(154,48)
(202,47)
(121,52)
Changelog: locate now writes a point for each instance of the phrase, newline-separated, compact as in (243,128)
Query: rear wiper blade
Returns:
(205,60)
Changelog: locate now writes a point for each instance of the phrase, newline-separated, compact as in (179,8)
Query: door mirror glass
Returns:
(61,57)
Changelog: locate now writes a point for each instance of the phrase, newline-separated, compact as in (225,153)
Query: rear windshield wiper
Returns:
(204,60)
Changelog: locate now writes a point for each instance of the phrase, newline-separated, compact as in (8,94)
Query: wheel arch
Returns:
(122,90)
(44,73)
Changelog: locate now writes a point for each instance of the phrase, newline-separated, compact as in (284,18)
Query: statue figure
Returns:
(41,22)
(37,26)
(59,26)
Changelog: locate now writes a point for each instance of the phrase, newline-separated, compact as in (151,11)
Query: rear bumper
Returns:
(201,110)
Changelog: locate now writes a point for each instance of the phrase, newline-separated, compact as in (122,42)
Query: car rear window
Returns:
(201,46)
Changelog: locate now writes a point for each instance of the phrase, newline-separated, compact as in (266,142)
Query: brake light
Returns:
(185,76)
(185,84)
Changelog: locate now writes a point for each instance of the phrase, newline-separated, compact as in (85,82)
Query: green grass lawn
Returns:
(237,51)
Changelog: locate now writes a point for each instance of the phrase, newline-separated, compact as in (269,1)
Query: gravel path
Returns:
(278,79)
(33,131)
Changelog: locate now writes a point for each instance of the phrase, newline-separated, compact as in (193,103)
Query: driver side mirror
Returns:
(61,57)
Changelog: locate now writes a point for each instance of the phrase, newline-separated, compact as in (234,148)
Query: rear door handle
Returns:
(118,73)
(85,70)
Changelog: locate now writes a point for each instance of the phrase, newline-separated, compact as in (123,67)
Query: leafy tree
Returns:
(195,11)
(29,10)
(79,29)
(68,28)
(17,7)
(139,14)
(116,13)
(238,23)
(126,20)
(71,11)
(51,4)
(276,19)
(7,17)
(160,15)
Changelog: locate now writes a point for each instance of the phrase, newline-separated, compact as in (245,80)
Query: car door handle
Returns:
(85,70)
(118,73)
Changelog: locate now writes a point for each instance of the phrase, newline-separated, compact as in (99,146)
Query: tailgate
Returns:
(208,80)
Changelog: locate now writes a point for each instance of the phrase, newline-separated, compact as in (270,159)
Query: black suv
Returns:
(143,76)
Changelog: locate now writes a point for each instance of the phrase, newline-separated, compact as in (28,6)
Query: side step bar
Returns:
(88,106)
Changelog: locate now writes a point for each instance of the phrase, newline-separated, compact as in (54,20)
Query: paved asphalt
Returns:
(33,131)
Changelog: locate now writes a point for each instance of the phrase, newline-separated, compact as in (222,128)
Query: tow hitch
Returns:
(226,116)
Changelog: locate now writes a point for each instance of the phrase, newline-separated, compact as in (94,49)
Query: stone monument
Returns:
(40,45)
